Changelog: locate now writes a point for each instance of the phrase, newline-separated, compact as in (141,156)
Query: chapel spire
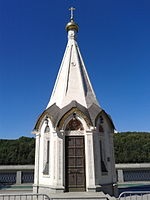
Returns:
(74,135)
(72,83)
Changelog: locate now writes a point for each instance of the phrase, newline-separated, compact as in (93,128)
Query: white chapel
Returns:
(74,135)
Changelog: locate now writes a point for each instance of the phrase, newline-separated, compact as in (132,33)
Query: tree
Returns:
(17,152)
(132,147)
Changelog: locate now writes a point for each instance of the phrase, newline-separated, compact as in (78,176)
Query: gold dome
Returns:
(72,26)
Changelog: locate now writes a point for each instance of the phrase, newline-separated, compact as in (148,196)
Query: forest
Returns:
(130,147)
(17,152)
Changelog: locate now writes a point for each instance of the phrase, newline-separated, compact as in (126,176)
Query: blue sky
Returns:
(114,39)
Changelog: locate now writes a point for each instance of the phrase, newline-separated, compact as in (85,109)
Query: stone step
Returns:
(25,195)
(80,196)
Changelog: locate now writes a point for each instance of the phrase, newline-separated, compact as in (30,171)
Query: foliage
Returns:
(132,147)
(17,152)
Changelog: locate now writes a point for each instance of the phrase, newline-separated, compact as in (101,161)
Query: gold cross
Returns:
(71,9)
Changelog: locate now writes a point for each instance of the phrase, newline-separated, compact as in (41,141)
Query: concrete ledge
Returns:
(16,167)
(47,189)
(135,166)
(117,166)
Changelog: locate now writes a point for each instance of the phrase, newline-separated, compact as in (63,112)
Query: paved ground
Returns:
(28,195)
(27,189)
(64,196)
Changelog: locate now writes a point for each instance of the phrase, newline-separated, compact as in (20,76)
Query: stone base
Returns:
(96,188)
(78,195)
(110,189)
(47,189)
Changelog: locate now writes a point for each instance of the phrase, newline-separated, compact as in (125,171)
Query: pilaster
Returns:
(37,163)
(90,168)
(37,158)
(57,170)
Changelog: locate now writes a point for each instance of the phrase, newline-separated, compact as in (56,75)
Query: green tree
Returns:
(17,152)
(132,147)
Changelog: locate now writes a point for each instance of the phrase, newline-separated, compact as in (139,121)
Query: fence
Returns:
(137,195)
(133,172)
(46,197)
(16,174)
(24,197)
(25,173)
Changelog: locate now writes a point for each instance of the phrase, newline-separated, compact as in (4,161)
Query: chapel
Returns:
(74,135)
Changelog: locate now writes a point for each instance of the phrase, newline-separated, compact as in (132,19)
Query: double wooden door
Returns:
(75,163)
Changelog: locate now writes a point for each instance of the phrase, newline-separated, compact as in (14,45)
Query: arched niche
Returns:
(74,113)
(100,124)
(74,125)
(100,128)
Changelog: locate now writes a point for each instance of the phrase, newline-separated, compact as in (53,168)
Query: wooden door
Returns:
(75,163)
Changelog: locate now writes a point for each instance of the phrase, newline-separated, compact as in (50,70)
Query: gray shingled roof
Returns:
(56,114)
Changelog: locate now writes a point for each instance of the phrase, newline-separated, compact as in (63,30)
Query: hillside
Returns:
(130,147)
(17,152)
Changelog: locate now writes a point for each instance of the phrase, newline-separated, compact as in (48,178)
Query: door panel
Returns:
(75,163)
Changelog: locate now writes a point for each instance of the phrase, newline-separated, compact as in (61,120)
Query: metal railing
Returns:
(135,195)
(45,197)
(24,197)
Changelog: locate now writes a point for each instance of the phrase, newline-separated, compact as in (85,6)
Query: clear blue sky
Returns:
(114,39)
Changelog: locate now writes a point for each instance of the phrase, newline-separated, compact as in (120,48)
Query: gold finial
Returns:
(72,25)
(71,10)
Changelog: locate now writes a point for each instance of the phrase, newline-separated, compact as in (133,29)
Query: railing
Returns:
(45,197)
(18,174)
(135,195)
(24,197)
(139,172)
